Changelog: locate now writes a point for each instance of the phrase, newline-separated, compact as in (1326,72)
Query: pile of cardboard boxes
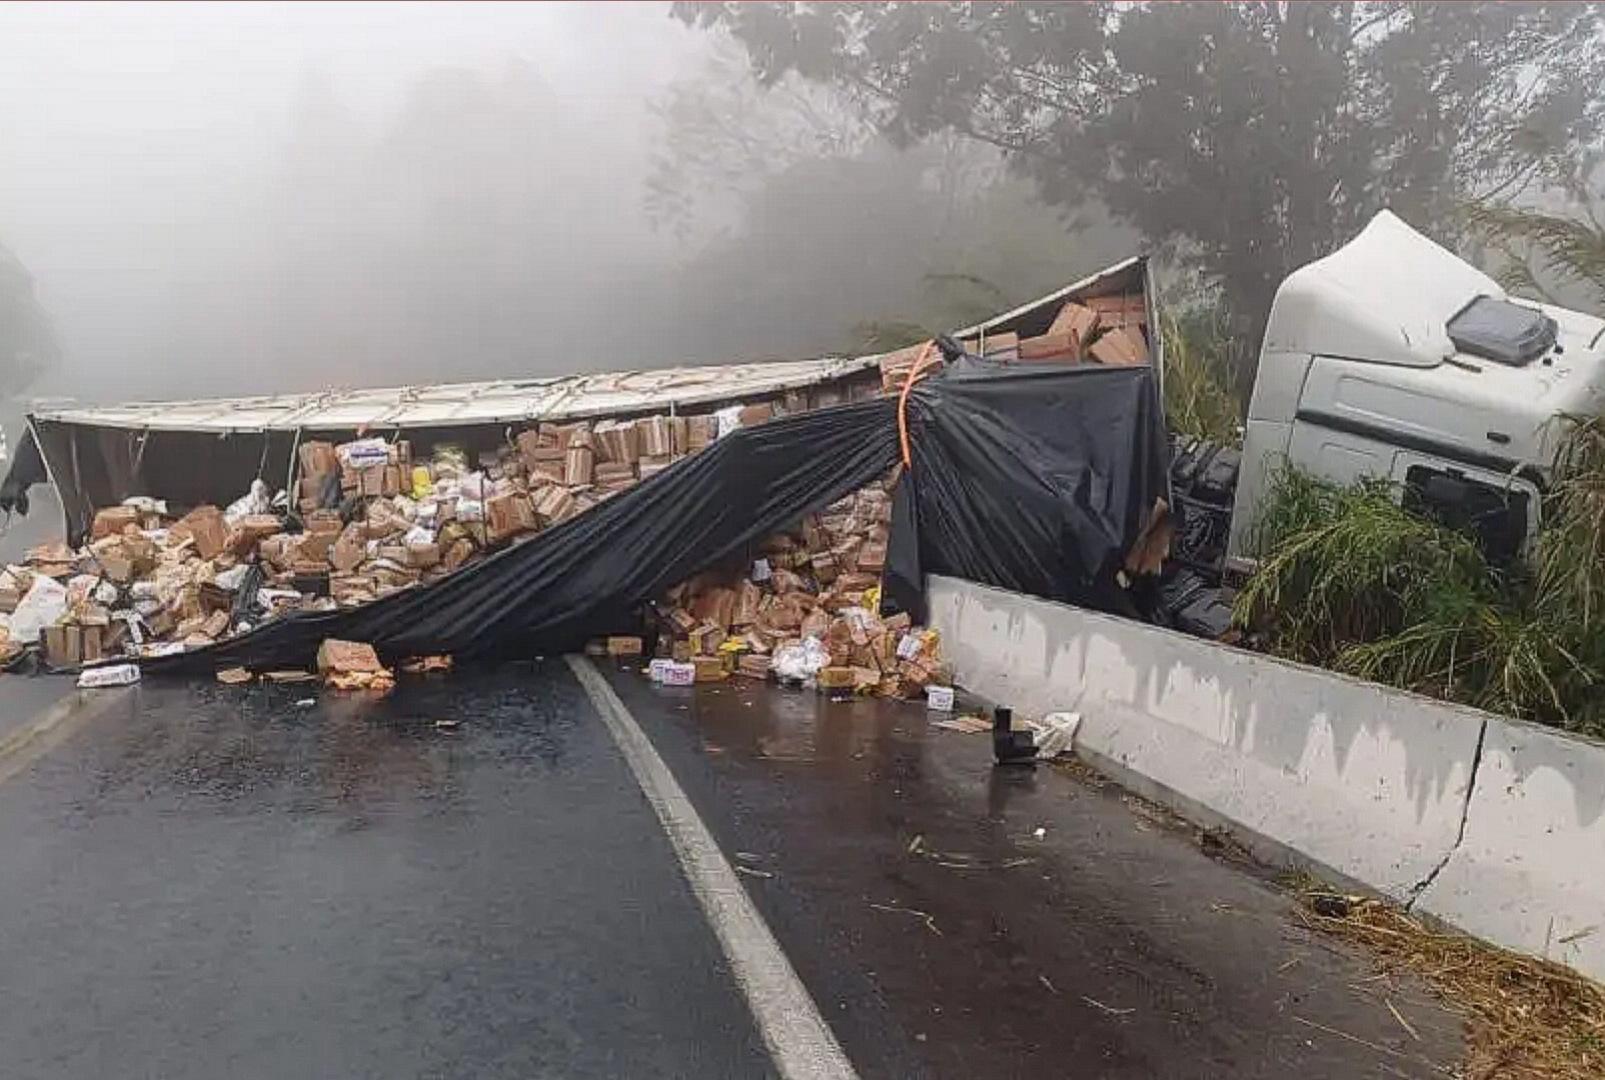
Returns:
(369,519)
(803,610)
(1099,329)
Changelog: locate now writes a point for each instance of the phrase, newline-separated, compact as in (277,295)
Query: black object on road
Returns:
(1011,747)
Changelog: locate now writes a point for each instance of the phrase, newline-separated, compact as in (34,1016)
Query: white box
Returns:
(677,674)
(939,698)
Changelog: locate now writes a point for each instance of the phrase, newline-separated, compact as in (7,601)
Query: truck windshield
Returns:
(1501,331)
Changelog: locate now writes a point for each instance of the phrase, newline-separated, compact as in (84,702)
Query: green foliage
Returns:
(1247,137)
(1199,397)
(1567,247)
(1351,581)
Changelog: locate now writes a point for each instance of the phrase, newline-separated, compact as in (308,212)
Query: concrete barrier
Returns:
(1351,778)
(1491,825)
(1530,871)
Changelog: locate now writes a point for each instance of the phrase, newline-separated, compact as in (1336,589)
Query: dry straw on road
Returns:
(1526,1019)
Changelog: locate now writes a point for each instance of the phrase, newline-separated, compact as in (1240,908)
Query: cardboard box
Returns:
(423,555)
(206,526)
(347,656)
(836,678)
(113,520)
(1061,348)
(1127,310)
(709,668)
(655,436)
(61,645)
(318,458)
(1121,347)
(753,666)
(578,466)
(625,645)
(1075,318)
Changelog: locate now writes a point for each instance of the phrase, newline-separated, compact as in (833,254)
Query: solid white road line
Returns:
(799,1040)
(27,744)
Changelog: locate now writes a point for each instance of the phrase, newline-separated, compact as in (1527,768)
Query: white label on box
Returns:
(908,647)
(760,570)
(939,698)
(680,674)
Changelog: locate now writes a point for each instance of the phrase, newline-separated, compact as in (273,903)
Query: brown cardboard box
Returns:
(61,645)
(553,503)
(872,557)
(390,483)
(706,637)
(371,481)
(709,668)
(753,415)
(1120,347)
(753,666)
(205,524)
(1077,319)
(1127,310)
(625,645)
(113,520)
(423,555)
(349,550)
(347,656)
(655,436)
(1062,348)
(318,458)
(745,612)
(679,435)
(700,431)
(578,466)
(836,678)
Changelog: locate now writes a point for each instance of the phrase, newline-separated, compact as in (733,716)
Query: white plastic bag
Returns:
(232,578)
(256,501)
(44,603)
(727,420)
(803,660)
(1056,733)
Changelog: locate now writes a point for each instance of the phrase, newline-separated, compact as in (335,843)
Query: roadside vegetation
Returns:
(1351,581)
(1200,400)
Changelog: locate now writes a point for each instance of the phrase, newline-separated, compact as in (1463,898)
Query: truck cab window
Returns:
(1495,516)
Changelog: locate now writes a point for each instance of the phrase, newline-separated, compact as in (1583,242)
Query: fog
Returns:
(256,198)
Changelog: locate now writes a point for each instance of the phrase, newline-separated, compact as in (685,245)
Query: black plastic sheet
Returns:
(1027,478)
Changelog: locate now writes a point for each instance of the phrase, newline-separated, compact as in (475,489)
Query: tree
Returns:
(1550,247)
(27,339)
(1245,138)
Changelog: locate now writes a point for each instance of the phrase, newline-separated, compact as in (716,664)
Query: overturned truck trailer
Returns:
(1033,458)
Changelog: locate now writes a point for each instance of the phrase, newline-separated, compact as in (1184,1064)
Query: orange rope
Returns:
(902,399)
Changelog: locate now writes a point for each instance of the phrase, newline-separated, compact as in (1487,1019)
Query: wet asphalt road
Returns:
(206,881)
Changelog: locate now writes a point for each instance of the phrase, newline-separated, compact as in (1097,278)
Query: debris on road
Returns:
(111,675)
(234,676)
(353,665)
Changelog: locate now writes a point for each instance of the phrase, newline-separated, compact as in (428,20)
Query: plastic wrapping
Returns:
(1035,479)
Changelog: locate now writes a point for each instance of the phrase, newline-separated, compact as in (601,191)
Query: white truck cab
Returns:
(1394,358)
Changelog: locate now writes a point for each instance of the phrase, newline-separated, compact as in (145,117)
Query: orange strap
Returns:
(914,376)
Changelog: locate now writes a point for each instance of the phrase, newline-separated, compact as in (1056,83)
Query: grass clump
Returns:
(1199,400)
(1350,580)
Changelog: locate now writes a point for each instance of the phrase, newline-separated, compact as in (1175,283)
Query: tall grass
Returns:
(1350,580)
(1199,399)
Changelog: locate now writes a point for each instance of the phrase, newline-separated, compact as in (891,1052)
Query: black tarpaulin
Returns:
(1034,479)
(1030,478)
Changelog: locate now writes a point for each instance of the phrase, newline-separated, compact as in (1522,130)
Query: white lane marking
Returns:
(54,726)
(799,1040)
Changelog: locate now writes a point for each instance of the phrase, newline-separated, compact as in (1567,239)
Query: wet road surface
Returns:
(208,881)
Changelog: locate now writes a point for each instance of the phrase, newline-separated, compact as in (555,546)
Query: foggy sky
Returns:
(148,159)
(261,198)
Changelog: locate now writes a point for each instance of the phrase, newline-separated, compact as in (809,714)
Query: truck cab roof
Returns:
(1428,340)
